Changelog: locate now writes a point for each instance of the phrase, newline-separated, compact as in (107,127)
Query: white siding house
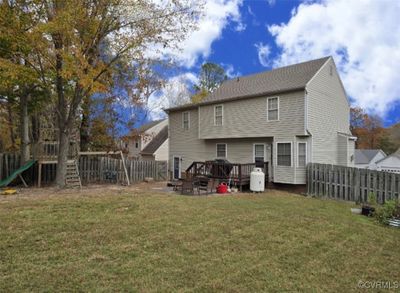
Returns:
(366,159)
(149,142)
(390,163)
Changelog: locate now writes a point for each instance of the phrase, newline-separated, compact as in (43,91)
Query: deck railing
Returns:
(48,151)
(237,172)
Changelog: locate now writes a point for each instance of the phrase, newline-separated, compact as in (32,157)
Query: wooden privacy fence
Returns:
(92,169)
(352,184)
(98,169)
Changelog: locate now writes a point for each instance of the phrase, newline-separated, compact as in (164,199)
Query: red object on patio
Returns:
(222,188)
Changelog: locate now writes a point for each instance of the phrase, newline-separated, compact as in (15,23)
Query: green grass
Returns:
(133,242)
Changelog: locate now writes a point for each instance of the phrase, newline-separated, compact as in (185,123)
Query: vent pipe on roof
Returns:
(237,79)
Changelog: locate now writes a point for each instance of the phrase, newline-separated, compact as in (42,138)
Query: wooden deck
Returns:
(234,173)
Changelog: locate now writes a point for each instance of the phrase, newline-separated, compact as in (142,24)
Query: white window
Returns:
(221,150)
(185,120)
(302,154)
(273,109)
(284,154)
(259,153)
(218,115)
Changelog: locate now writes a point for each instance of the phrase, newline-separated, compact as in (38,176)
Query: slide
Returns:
(17,172)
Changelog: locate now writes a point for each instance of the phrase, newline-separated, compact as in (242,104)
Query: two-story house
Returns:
(148,142)
(287,116)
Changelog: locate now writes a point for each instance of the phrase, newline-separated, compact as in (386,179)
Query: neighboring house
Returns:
(288,117)
(390,163)
(367,158)
(149,142)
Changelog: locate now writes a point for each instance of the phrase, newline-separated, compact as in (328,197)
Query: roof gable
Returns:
(137,131)
(156,142)
(284,79)
(362,156)
(292,77)
(396,155)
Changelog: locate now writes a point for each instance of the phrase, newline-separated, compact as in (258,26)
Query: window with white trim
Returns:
(218,115)
(284,154)
(259,153)
(221,150)
(273,109)
(302,154)
(185,120)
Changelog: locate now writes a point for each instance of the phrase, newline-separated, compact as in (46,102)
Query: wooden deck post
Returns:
(39,174)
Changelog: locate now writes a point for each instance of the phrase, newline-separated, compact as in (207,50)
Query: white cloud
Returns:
(230,71)
(176,91)
(217,15)
(254,20)
(362,36)
(263,52)
(271,2)
(240,27)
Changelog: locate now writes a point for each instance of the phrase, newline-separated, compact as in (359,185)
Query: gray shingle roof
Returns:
(156,142)
(364,156)
(284,79)
(395,154)
(137,131)
(149,125)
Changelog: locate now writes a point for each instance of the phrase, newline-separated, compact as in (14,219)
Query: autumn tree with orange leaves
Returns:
(370,131)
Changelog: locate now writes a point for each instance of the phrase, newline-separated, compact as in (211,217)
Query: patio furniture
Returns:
(207,185)
(189,185)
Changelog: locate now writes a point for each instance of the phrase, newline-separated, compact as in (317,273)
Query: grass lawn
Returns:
(153,242)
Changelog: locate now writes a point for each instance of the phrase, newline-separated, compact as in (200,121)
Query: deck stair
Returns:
(72,178)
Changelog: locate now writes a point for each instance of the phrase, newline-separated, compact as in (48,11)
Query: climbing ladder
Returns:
(72,179)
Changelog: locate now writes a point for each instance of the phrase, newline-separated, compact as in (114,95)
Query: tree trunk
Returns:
(24,124)
(11,125)
(84,131)
(62,158)
(35,130)
(61,119)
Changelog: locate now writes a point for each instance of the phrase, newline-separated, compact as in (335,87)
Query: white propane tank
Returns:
(257,180)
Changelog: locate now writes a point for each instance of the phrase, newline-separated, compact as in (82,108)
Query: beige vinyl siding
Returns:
(300,171)
(350,152)
(328,113)
(342,150)
(248,118)
(134,152)
(185,144)
(161,154)
(239,150)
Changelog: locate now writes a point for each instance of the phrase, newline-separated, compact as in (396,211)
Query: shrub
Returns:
(387,211)
(372,201)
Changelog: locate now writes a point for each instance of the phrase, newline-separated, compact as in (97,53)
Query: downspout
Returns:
(305,111)
(306,131)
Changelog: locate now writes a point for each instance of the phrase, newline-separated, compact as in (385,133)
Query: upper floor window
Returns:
(284,154)
(136,144)
(221,150)
(273,109)
(302,154)
(185,120)
(218,115)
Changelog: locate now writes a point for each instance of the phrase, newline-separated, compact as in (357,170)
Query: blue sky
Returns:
(247,37)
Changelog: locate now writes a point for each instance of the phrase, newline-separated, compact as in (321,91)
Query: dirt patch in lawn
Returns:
(89,190)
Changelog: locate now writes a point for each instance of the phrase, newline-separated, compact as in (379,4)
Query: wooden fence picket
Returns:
(351,184)
(91,169)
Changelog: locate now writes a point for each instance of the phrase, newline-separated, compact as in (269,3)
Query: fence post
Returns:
(356,188)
